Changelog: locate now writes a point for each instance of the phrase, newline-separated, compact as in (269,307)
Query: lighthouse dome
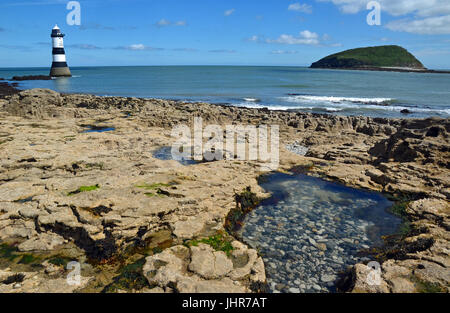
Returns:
(56,32)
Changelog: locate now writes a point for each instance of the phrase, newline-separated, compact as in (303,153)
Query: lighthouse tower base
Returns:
(60,72)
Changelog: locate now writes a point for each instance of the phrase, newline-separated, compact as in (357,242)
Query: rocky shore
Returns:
(31,77)
(389,69)
(7,89)
(137,223)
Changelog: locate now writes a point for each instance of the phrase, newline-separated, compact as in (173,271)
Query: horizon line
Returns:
(173,65)
(176,65)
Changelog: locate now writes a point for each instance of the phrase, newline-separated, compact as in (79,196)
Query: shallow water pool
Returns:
(165,153)
(311,229)
(98,129)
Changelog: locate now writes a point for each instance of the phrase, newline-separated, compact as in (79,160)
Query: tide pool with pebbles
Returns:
(165,153)
(311,229)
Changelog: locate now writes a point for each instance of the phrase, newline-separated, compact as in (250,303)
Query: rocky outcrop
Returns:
(201,269)
(107,195)
(7,89)
(418,263)
(31,77)
(412,142)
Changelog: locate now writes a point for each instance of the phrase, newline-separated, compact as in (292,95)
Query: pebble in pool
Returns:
(311,229)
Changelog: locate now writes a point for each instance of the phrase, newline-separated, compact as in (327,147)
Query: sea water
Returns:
(312,229)
(369,93)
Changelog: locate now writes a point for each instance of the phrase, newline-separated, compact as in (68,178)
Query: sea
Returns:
(340,92)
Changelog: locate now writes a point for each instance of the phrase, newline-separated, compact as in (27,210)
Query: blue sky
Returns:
(219,32)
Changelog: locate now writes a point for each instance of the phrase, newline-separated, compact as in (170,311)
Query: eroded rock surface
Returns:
(105,193)
(201,269)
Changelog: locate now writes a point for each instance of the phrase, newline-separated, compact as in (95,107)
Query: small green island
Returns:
(381,58)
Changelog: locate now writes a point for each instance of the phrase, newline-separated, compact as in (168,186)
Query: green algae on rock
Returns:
(84,189)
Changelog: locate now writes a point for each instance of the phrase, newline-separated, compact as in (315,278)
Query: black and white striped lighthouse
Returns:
(59,65)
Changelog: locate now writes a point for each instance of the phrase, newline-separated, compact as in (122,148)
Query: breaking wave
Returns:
(344,105)
(252,100)
(334,100)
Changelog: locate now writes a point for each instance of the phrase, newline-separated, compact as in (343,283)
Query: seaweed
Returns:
(84,189)
(99,165)
(302,169)
(259,287)
(401,203)
(59,261)
(151,195)
(426,286)
(28,259)
(154,186)
(98,210)
(130,278)
(399,250)
(8,252)
(218,242)
(159,191)
(245,203)
(16,278)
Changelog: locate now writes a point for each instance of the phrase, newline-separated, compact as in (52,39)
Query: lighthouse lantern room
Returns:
(59,65)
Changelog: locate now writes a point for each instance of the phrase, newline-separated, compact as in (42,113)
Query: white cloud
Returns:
(284,52)
(304,8)
(326,37)
(432,52)
(35,2)
(423,16)
(426,26)
(397,7)
(304,38)
(185,49)
(163,22)
(222,51)
(138,47)
(229,12)
(348,6)
(254,38)
(84,46)
(180,23)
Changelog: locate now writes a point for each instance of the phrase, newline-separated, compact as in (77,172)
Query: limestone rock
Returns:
(189,228)
(225,285)
(42,242)
(208,263)
(195,269)
(368,280)
(166,268)
(49,155)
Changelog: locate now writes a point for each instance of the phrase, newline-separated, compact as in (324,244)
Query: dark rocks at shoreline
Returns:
(406,111)
(31,77)
(7,89)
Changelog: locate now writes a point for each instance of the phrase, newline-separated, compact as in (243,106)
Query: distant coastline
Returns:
(385,69)
(380,58)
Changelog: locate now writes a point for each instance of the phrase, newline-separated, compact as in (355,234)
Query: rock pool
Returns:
(165,153)
(98,129)
(311,229)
